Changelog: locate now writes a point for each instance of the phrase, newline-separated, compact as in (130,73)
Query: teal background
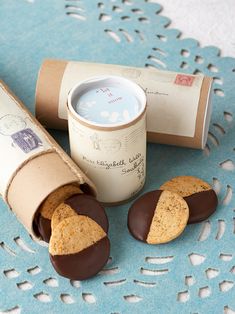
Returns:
(75,30)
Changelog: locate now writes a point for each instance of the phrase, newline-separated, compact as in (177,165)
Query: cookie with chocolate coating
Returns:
(158,217)
(199,195)
(79,248)
(81,204)
(43,217)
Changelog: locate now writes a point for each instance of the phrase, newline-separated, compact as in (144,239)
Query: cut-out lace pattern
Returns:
(196,272)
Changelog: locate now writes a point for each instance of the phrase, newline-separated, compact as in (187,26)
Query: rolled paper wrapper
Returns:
(179,105)
(32,164)
(107,133)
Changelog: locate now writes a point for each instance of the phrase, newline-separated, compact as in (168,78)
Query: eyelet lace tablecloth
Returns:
(196,272)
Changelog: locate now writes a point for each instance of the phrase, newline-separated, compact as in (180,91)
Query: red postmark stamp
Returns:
(184,80)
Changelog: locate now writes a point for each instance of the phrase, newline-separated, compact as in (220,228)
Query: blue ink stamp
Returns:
(27,140)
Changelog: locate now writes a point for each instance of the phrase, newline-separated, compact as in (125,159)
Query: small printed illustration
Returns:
(10,124)
(107,145)
(114,117)
(133,137)
(184,80)
(16,127)
(85,107)
(131,73)
(96,141)
(110,145)
(27,140)
(107,105)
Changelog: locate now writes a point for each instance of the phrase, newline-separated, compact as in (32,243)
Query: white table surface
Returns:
(211,22)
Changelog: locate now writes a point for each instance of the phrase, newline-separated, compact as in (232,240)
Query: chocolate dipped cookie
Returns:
(79,247)
(199,195)
(43,218)
(158,217)
(80,204)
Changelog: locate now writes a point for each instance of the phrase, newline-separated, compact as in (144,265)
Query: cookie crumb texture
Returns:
(158,217)
(61,212)
(79,248)
(169,220)
(185,185)
(74,234)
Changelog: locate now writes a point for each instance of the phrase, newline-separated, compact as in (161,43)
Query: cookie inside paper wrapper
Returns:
(81,204)
(42,221)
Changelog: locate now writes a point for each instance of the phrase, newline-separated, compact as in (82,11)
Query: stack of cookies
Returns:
(160,216)
(76,226)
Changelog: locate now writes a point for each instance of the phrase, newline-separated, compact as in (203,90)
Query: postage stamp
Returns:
(27,140)
(184,79)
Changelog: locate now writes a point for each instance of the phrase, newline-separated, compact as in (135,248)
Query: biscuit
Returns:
(43,218)
(60,213)
(81,204)
(199,195)
(78,247)
(158,217)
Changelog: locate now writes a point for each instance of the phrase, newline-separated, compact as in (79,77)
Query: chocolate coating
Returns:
(87,189)
(87,205)
(141,213)
(84,264)
(44,227)
(201,205)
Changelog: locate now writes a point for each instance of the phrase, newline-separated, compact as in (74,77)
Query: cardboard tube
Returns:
(111,153)
(32,164)
(179,105)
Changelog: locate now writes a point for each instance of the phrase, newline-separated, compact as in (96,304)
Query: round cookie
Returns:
(60,213)
(199,195)
(158,217)
(43,218)
(81,204)
(79,248)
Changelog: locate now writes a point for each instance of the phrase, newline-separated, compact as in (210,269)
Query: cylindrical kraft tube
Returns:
(179,105)
(32,164)
(107,132)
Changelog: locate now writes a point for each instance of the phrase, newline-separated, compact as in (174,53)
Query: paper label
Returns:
(107,105)
(115,161)
(172,98)
(20,139)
